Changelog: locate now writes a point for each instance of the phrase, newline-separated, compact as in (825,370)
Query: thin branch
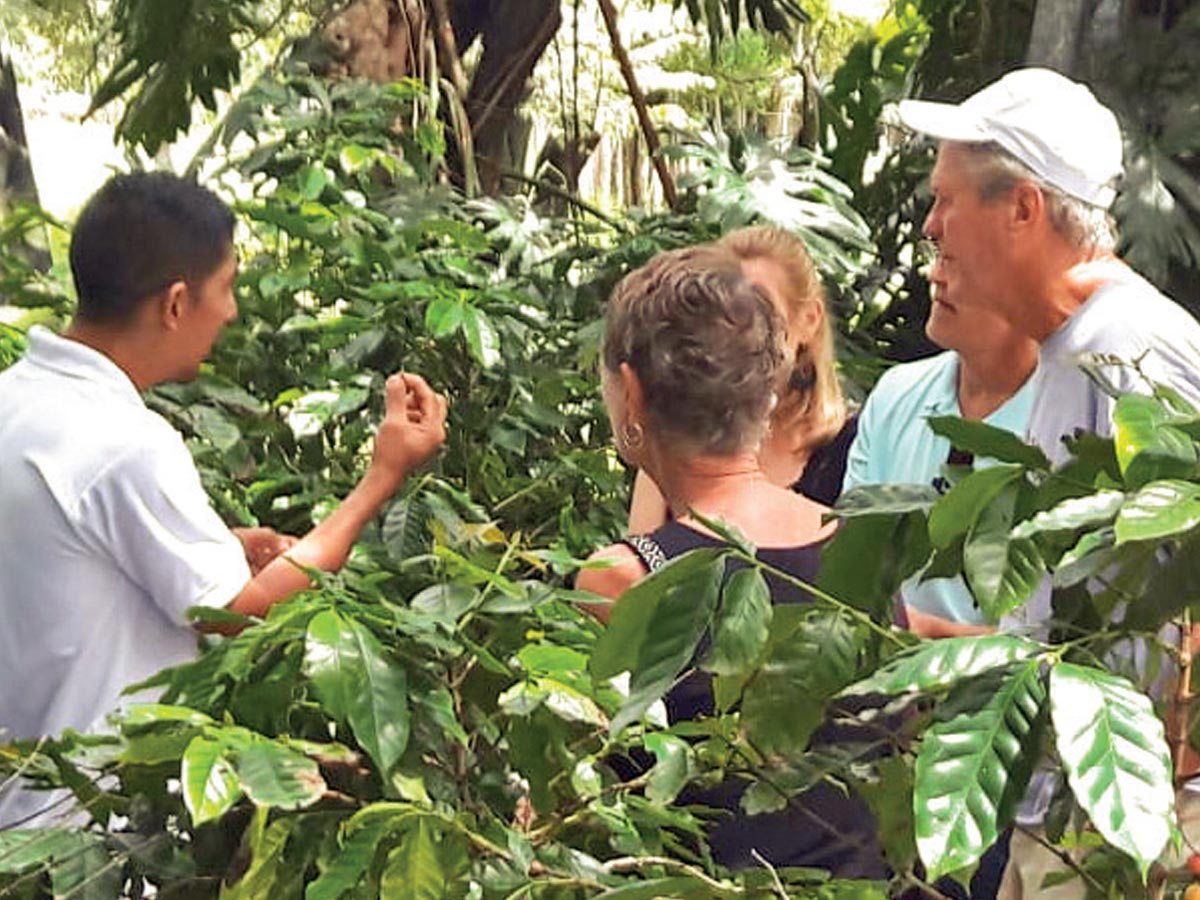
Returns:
(639,103)
(637,863)
(1066,859)
(447,48)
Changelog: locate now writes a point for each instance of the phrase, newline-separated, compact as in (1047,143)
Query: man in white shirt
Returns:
(1025,175)
(106,535)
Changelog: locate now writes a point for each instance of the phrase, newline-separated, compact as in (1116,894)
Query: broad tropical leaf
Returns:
(210,784)
(1002,571)
(988,442)
(427,865)
(870,556)
(617,649)
(271,774)
(671,768)
(1159,510)
(956,513)
(1076,512)
(1115,754)
(680,619)
(742,624)
(935,665)
(882,499)
(362,835)
(358,683)
(974,765)
(810,657)
(1148,447)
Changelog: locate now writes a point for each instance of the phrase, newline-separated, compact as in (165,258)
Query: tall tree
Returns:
(17,184)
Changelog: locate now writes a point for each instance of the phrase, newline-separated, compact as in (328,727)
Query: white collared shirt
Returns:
(106,539)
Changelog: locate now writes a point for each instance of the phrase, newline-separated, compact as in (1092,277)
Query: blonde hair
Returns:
(811,408)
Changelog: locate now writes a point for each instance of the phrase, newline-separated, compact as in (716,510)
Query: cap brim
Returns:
(944,121)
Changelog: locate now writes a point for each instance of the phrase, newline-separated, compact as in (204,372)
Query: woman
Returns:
(693,353)
(809,435)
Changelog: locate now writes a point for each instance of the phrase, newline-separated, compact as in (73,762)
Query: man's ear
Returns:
(1028,205)
(635,396)
(173,304)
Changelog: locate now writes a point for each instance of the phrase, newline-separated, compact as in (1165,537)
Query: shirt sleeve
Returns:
(858,459)
(149,512)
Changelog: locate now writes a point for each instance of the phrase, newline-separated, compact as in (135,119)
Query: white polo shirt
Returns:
(106,538)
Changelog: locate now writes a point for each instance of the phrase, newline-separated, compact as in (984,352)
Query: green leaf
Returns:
(810,657)
(1115,754)
(444,315)
(362,835)
(656,888)
(934,665)
(1077,512)
(269,875)
(1159,510)
(678,622)
(354,156)
(870,556)
(210,784)
(988,442)
(358,683)
(312,181)
(22,849)
(87,872)
(618,647)
(974,765)
(1088,556)
(742,625)
(956,513)
(482,337)
(274,775)
(1002,571)
(1148,448)
(671,768)
(884,499)
(426,866)
(890,796)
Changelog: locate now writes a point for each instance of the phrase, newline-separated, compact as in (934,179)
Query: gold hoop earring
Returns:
(633,435)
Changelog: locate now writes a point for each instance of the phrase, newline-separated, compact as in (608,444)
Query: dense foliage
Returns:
(442,720)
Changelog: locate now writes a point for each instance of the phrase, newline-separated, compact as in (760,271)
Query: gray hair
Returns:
(1086,227)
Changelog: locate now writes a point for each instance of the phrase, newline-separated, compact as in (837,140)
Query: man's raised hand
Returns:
(413,428)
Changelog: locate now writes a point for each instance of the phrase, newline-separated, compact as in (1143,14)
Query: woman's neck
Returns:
(711,485)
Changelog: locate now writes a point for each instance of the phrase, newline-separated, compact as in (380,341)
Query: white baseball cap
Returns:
(1050,123)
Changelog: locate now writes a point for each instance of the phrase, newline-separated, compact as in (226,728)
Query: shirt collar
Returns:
(944,399)
(66,357)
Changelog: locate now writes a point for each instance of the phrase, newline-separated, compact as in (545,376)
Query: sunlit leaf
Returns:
(974,765)
(1114,750)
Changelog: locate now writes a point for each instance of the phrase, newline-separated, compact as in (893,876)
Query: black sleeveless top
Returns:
(825,470)
(823,827)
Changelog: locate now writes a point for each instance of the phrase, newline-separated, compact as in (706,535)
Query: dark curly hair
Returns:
(706,344)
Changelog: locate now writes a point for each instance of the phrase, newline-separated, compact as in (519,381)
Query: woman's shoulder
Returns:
(617,567)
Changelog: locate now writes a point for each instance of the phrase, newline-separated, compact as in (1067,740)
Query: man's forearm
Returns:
(325,547)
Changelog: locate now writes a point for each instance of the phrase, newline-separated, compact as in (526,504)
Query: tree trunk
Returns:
(1059,27)
(17,185)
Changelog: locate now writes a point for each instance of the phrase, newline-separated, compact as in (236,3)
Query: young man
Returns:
(106,536)
(1024,178)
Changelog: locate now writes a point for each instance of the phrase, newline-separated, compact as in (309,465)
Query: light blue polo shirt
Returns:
(895,445)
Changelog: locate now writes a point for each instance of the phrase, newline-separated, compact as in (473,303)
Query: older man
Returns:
(1025,175)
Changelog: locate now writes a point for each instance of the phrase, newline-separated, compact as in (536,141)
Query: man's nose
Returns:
(932,226)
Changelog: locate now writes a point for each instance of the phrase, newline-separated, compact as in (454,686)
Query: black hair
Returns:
(140,233)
